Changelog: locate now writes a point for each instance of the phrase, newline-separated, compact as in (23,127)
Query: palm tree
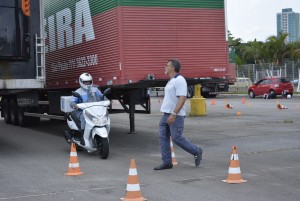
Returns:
(293,50)
(276,48)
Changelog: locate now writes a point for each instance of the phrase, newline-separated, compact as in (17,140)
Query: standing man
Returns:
(172,121)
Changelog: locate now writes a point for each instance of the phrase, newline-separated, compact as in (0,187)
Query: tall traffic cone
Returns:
(74,168)
(213,102)
(133,191)
(243,100)
(281,107)
(234,172)
(174,162)
(228,106)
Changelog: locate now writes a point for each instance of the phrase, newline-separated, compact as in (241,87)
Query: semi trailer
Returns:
(124,44)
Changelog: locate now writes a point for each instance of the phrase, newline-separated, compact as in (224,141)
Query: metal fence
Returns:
(290,70)
(255,72)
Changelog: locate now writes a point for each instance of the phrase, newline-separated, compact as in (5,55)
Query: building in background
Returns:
(288,22)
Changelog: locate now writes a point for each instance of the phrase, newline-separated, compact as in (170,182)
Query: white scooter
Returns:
(97,127)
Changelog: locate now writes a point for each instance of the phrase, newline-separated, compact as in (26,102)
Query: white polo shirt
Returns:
(176,87)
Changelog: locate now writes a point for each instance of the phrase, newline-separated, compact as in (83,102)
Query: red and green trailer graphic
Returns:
(124,41)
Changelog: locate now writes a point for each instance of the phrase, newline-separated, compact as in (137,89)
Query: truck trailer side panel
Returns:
(194,35)
(121,42)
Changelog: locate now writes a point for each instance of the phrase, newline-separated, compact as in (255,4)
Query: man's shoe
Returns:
(163,166)
(198,158)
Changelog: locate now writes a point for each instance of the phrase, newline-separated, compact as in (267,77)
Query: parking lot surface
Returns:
(33,160)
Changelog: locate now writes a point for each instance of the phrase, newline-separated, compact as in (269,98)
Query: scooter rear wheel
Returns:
(103,147)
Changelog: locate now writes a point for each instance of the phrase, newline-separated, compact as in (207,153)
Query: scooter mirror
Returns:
(77,95)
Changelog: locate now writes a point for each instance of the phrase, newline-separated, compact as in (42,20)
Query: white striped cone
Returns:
(174,162)
(281,107)
(133,190)
(74,168)
(228,106)
(234,171)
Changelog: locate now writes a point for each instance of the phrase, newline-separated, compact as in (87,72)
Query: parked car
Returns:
(274,85)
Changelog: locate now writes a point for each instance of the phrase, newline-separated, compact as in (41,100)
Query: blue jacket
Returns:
(91,95)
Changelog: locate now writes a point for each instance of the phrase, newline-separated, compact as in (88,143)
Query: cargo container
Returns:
(124,44)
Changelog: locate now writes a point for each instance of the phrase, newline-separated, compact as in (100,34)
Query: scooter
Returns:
(97,127)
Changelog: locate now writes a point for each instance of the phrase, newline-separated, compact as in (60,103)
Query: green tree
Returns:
(276,48)
(253,51)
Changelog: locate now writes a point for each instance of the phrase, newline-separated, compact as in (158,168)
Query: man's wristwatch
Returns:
(173,113)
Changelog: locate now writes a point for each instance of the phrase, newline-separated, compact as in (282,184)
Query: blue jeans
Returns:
(176,131)
(79,116)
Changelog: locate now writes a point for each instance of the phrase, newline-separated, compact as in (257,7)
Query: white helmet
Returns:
(289,96)
(85,80)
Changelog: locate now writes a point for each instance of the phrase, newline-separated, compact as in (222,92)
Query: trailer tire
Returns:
(13,111)
(5,110)
(22,119)
(205,94)
(190,91)
(212,95)
(27,121)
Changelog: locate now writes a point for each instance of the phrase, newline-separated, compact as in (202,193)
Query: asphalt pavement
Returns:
(33,160)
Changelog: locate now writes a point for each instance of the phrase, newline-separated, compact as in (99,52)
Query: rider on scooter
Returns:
(88,93)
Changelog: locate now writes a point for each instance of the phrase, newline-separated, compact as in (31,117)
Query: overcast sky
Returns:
(250,19)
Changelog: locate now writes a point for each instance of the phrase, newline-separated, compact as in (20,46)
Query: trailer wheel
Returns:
(212,95)
(26,121)
(205,94)
(22,119)
(190,91)
(6,112)
(13,111)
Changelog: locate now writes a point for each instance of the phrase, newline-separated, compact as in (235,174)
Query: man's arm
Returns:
(73,104)
(179,104)
(178,107)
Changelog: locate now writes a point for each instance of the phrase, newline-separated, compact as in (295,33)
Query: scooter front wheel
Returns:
(103,146)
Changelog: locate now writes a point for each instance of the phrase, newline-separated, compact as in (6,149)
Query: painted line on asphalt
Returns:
(173,181)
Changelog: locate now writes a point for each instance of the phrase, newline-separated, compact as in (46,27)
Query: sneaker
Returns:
(198,157)
(163,166)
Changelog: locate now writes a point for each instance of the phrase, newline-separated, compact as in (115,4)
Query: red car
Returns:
(273,85)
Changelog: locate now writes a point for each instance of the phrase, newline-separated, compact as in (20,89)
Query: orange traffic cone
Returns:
(213,102)
(74,168)
(280,107)
(228,106)
(243,100)
(234,172)
(174,162)
(133,191)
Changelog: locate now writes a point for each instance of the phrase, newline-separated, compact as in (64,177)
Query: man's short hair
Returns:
(176,64)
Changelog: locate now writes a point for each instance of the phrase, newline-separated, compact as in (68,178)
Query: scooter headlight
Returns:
(99,121)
